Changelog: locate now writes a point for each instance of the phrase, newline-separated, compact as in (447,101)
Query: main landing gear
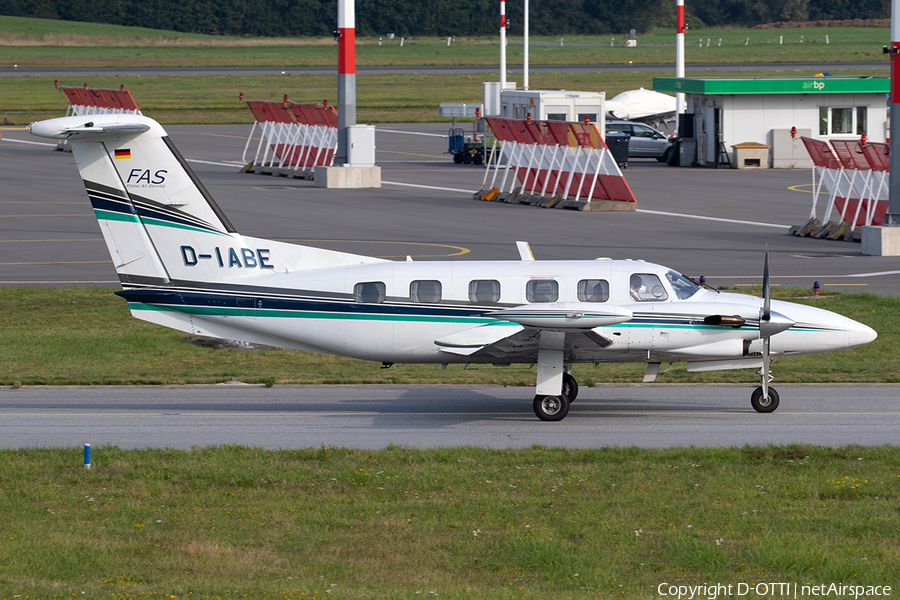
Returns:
(556,407)
(551,408)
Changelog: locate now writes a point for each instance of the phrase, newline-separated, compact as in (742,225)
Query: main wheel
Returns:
(458,159)
(478,158)
(570,387)
(764,405)
(551,408)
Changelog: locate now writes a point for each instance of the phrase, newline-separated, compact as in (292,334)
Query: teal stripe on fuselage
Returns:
(109,215)
(221,311)
(173,225)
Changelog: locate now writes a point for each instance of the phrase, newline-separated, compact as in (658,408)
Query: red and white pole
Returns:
(502,45)
(346,75)
(892,217)
(679,53)
(525,50)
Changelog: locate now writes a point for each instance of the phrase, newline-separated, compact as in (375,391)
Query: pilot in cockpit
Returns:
(635,286)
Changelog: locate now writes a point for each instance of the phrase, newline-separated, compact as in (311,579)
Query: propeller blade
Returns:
(767,291)
(768,328)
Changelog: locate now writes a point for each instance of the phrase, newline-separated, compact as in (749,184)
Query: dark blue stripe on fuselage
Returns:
(189,299)
(119,206)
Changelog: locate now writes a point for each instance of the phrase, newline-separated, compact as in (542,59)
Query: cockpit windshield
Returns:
(684,287)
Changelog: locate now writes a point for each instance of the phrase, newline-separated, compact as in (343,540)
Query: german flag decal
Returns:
(125,153)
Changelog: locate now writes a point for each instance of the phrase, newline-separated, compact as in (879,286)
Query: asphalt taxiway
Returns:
(702,222)
(373,417)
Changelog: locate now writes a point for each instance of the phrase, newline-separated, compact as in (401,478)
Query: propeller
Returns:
(766,317)
(770,323)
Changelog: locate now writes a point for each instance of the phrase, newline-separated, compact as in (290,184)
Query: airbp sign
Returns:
(814,85)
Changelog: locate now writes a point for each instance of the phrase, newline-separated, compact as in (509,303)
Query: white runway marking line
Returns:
(29,142)
(640,210)
(427,187)
(702,218)
(218,164)
(411,132)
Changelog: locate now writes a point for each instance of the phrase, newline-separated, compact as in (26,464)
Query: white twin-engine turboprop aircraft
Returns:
(183,265)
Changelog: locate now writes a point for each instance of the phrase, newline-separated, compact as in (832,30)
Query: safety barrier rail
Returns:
(294,137)
(855,175)
(552,164)
(94,101)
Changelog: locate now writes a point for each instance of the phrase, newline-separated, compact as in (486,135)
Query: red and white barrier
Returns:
(294,138)
(855,174)
(868,176)
(99,101)
(553,163)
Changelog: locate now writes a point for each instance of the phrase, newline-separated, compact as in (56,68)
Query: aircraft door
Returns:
(648,327)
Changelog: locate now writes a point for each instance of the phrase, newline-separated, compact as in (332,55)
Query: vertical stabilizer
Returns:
(160,223)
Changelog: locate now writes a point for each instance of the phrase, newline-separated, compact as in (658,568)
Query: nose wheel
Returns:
(764,403)
(551,408)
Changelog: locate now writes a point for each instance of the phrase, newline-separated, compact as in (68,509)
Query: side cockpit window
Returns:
(593,290)
(542,290)
(369,292)
(646,287)
(484,291)
(684,287)
(425,291)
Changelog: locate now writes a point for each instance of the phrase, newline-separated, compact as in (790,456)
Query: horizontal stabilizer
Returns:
(80,127)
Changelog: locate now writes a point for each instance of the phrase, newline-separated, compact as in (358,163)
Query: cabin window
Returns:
(646,287)
(369,292)
(593,290)
(484,291)
(425,291)
(542,290)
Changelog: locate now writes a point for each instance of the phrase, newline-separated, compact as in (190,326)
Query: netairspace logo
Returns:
(712,591)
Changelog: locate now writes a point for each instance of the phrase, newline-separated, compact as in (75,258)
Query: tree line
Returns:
(271,18)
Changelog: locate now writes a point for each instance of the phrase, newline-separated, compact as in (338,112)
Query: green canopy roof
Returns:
(773,85)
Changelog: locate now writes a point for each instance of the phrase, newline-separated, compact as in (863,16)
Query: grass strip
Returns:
(389,98)
(240,522)
(39,43)
(87,336)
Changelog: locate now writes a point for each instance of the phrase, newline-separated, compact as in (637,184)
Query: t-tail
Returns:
(161,225)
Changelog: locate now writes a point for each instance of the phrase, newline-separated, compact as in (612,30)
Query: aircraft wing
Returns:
(517,335)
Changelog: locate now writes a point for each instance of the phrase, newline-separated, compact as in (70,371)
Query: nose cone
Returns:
(859,334)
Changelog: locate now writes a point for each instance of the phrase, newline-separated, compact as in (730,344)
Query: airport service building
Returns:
(760,112)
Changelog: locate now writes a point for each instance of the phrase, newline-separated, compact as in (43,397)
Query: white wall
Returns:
(751,118)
